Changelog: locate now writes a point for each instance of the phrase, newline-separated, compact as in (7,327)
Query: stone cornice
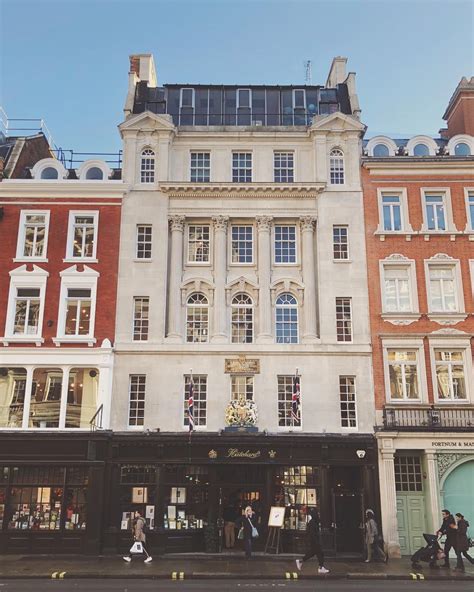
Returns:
(409,165)
(243,190)
(71,189)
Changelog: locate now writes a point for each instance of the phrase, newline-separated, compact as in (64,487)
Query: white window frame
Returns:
(469,193)
(417,346)
(234,376)
(239,153)
(445,317)
(398,261)
(197,401)
(295,90)
(231,240)
(193,306)
(21,278)
(351,340)
(400,192)
(70,258)
(290,428)
(429,143)
(290,307)
(452,344)
(274,241)
(237,102)
(141,259)
(152,171)
(348,428)
(22,236)
(71,278)
(193,94)
(385,141)
(445,193)
(287,153)
(341,259)
(129,406)
(188,229)
(240,307)
(340,158)
(135,319)
(196,151)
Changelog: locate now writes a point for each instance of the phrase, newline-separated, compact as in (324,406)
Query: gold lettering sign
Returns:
(236,453)
(242,366)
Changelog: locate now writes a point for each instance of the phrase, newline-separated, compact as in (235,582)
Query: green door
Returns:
(458,491)
(411,522)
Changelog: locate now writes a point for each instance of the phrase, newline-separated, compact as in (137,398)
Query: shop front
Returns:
(186,488)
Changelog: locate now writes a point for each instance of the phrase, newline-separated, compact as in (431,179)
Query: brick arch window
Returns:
(147,166)
(197,318)
(336,166)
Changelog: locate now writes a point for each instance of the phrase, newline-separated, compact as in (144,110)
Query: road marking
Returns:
(174,575)
(413,576)
(420,576)
(61,575)
(181,575)
(54,575)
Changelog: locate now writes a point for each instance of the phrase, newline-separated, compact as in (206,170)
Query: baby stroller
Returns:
(431,553)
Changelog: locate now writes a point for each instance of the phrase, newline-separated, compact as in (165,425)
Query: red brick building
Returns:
(419,213)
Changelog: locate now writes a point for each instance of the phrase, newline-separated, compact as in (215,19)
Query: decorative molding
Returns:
(396,257)
(241,284)
(176,222)
(441,257)
(443,318)
(401,319)
(230,190)
(242,365)
(307,223)
(220,223)
(450,332)
(444,461)
(263,222)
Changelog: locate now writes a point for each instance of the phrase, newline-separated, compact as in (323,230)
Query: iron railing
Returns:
(432,418)
(96,421)
(71,159)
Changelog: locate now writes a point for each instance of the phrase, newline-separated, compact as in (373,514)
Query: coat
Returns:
(138,529)
(446,529)
(371,531)
(462,542)
(244,522)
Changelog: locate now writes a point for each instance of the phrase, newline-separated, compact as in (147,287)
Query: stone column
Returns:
(433,491)
(388,502)
(176,266)
(264,224)
(219,333)
(307,224)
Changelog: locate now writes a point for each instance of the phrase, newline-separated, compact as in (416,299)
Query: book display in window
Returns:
(186,498)
(137,493)
(297,489)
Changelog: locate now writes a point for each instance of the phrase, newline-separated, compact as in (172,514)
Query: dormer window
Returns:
(381,151)
(49,173)
(94,174)
(186,106)
(244,102)
(462,149)
(421,150)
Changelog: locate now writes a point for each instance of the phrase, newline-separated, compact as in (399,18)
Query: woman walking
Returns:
(139,535)
(313,546)
(372,537)
(461,544)
(248,530)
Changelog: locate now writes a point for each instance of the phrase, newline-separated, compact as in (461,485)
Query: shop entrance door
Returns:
(348,520)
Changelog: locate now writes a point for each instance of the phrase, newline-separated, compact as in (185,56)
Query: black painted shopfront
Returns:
(77,493)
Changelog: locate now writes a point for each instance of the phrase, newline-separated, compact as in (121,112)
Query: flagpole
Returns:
(190,419)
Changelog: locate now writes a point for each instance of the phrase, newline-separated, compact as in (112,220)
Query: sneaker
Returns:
(367,561)
(127,559)
(148,560)
(299,563)
(323,570)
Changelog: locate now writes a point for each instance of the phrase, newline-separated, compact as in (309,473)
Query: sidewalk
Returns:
(204,566)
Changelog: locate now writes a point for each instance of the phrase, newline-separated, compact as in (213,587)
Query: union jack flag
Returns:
(191,405)
(295,400)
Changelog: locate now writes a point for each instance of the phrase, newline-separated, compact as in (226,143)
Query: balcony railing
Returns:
(426,419)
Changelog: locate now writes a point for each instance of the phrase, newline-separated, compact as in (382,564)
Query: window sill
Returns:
(198,263)
(446,318)
(461,403)
(394,403)
(30,260)
(398,318)
(80,260)
(150,260)
(382,234)
(74,339)
(22,339)
(236,264)
(342,261)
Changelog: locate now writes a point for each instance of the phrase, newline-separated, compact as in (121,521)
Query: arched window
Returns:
(94,174)
(421,150)
(242,319)
(381,151)
(49,173)
(197,319)
(147,166)
(336,166)
(462,149)
(286,320)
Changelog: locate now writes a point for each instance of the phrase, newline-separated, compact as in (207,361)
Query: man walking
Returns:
(448,528)
(313,546)
(139,535)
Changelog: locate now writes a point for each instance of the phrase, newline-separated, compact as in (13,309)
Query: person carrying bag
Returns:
(248,530)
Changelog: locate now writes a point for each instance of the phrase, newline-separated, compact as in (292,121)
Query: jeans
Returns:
(448,545)
(315,549)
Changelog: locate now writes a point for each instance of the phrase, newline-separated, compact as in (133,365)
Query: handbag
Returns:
(254,530)
(240,536)
(137,547)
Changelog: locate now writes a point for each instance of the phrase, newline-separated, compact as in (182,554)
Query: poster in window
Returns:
(124,525)
(301,496)
(150,512)
(139,495)
(277,517)
(311,493)
(44,495)
(171,512)
(178,495)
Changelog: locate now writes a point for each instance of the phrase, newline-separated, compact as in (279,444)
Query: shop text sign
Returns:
(236,453)
(245,453)
(453,444)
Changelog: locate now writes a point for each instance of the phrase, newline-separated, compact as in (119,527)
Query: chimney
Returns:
(142,69)
(459,114)
(337,72)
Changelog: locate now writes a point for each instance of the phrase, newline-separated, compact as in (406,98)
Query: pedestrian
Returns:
(313,545)
(461,545)
(230,516)
(372,540)
(448,528)
(248,530)
(138,530)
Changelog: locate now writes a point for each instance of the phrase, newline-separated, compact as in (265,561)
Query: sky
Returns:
(66,61)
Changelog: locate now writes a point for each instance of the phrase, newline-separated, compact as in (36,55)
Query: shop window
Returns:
(241,387)
(12,397)
(186,503)
(408,475)
(45,402)
(137,493)
(81,397)
(75,499)
(4,474)
(286,390)
(297,488)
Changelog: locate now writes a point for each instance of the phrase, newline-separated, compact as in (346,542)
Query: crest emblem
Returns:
(212,454)
(241,413)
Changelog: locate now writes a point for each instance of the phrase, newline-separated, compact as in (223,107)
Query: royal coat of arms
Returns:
(241,412)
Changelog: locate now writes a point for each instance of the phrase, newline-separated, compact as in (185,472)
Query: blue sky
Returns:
(66,61)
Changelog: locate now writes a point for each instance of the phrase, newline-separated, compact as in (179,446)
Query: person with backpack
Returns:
(461,544)
(138,529)
(313,546)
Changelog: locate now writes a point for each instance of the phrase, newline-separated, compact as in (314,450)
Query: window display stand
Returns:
(273,544)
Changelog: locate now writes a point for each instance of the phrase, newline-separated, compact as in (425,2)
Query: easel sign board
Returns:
(277,517)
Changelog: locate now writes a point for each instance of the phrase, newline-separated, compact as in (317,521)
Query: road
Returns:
(109,585)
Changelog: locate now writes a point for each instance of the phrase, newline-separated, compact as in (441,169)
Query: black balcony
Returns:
(428,419)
